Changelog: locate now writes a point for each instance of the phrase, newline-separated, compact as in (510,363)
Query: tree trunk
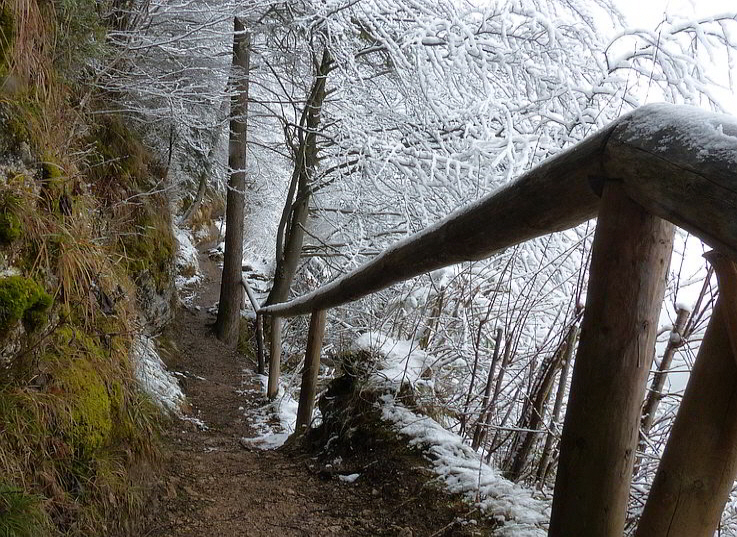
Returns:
(542,470)
(231,293)
(533,414)
(480,433)
(629,262)
(699,464)
(275,358)
(655,393)
(290,235)
(291,230)
(197,201)
(311,370)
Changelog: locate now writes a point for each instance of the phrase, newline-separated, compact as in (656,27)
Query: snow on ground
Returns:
(462,471)
(402,360)
(187,264)
(156,381)
(455,463)
(350,478)
(282,410)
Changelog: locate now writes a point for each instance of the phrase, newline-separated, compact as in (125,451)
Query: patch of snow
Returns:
(687,129)
(10,271)
(402,361)
(284,408)
(350,478)
(155,380)
(462,471)
(218,252)
(196,421)
(459,466)
(187,263)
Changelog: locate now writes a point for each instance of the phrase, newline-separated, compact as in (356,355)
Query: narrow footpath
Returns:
(212,486)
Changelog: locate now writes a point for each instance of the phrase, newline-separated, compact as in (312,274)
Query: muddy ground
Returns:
(212,486)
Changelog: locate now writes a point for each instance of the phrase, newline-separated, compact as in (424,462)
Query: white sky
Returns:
(648,13)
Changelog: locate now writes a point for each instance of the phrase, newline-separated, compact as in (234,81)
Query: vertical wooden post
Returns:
(275,358)
(311,370)
(699,464)
(629,261)
(261,358)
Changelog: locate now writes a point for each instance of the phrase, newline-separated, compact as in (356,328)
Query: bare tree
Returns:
(231,291)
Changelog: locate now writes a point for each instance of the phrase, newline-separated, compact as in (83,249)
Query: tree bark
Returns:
(275,358)
(291,232)
(545,459)
(480,432)
(231,293)
(629,262)
(311,370)
(699,464)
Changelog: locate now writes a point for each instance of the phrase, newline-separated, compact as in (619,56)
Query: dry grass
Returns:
(52,459)
(32,46)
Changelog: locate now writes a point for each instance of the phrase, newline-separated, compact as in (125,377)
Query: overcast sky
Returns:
(648,13)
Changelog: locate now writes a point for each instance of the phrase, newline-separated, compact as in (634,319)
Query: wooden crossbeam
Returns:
(677,162)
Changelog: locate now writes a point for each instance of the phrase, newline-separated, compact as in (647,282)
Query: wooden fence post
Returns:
(311,370)
(260,357)
(699,464)
(275,358)
(630,257)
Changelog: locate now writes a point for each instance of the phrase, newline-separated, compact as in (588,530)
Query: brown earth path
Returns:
(211,486)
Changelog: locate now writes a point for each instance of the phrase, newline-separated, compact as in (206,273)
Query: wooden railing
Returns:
(659,165)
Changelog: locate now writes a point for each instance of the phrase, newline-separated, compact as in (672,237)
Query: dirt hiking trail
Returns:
(212,486)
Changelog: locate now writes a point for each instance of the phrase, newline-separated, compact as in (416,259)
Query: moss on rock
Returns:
(151,250)
(10,228)
(90,407)
(22,299)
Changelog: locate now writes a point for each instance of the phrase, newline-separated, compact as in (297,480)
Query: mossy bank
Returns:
(86,256)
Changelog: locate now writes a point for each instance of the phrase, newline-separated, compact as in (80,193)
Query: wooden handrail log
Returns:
(678,162)
(534,205)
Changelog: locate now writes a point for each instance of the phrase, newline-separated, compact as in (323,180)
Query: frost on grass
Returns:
(273,422)
(456,464)
(155,380)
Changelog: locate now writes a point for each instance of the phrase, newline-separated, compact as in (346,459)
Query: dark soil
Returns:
(211,486)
